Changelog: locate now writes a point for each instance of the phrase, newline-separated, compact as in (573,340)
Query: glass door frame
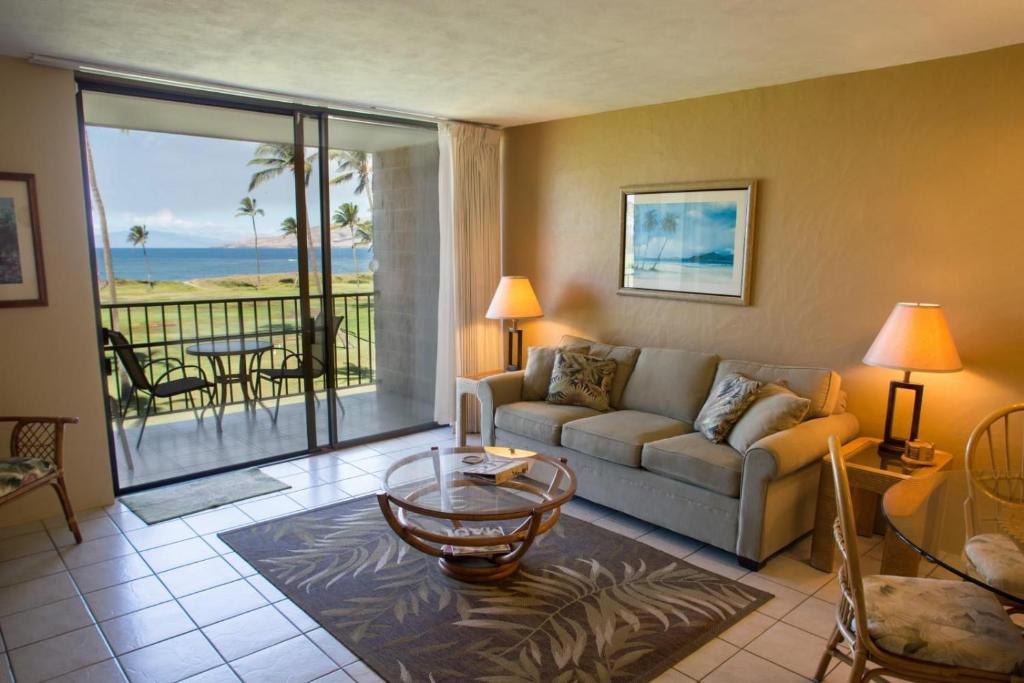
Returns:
(86,82)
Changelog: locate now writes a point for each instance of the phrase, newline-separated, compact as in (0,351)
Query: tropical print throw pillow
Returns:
(727,402)
(581,380)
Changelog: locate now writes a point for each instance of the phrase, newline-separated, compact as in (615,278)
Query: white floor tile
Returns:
(294,661)
(341,655)
(266,588)
(794,574)
(25,544)
(91,552)
(107,671)
(319,496)
(198,576)
(146,627)
(91,529)
(717,561)
(814,616)
(44,622)
(360,486)
(296,615)
(171,660)
(789,647)
(785,598)
(108,573)
(222,602)
(239,636)
(270,507)
(42,591)
(744,667)
(160,534)
(127,597)
(707,658)
(227,517)
(670,542)
(30,567)
(672,676)
(747,628)
(55,656)
(627,526)
(222,674)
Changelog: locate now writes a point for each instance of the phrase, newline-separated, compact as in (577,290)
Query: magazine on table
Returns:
(496,470)
(480,550)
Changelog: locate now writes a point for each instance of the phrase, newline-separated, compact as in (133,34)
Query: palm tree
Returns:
(669,225)
(276,158)
(289,227)
(354,165)
(347,216)
(650,227)
(363,237)
(137,237)
(247,207)
(108,258)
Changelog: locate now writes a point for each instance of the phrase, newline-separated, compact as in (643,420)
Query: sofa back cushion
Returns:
(670,382)
(820,385)
(624,357)
(540,361)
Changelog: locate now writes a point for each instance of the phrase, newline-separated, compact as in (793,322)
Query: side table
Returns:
(871,473)
(465,390)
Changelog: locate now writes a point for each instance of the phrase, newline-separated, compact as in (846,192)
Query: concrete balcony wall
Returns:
(406,245)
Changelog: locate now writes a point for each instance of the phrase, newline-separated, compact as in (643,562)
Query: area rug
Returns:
(587,604)
(168,502)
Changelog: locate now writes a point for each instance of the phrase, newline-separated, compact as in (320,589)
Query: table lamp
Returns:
(914,338)
(514,300)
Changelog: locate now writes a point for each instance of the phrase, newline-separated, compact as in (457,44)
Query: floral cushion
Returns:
(16,472)
(581,380)
(943,622)
(727,402)
(997,559)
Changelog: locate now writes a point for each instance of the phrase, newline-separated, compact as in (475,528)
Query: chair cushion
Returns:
(538,420)
(943,622)
(619,437)
(581,380)
(16,472)
(693,459)
(821,385)
(179,386)
(624,357)
(670,382)
(998,559)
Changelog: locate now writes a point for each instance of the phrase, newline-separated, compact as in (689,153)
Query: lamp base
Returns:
(893,445)
(515,339)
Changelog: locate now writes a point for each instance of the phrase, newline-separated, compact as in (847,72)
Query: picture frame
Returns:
(22,277)
(691,241)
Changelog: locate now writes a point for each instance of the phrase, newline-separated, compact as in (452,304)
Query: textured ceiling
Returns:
(508,62)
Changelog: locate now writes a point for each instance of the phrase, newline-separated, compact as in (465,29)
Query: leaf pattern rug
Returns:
(587,604)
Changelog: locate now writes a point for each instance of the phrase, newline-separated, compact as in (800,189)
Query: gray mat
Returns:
(168,502)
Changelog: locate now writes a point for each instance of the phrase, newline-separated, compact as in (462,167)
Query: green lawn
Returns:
(163,320)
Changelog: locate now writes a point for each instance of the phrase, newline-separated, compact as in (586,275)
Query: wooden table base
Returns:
(476,569)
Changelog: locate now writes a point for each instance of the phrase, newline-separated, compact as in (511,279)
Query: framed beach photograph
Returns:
(22,282)
(691,241)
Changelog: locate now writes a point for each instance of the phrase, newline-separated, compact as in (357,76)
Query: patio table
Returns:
(220,352)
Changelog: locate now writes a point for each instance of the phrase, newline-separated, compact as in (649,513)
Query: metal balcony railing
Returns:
(165,329)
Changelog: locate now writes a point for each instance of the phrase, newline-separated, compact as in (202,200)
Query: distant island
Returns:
(717,258)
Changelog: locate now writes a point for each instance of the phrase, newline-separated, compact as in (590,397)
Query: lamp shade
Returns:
(514,299)
(915,338)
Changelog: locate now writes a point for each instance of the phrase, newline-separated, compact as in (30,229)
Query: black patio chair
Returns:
(278,375)
(161,387)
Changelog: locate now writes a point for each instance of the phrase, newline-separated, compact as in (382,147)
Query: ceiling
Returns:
(505,62)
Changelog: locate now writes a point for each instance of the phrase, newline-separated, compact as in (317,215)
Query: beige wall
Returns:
(48,356)
(902,184)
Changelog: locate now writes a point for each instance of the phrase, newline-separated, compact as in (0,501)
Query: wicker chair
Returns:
(289,366)
(911,628)
(36,460)
(161,387)
(994,509)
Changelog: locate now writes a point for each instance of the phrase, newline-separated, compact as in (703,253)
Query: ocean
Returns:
(192,264)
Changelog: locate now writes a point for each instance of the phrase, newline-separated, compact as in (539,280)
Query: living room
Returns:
(650,276)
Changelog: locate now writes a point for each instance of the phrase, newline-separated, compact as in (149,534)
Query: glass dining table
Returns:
(928,514)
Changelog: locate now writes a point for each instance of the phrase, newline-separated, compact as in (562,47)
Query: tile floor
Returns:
(171,602)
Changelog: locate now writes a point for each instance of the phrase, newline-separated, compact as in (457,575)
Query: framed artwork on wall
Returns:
(22,280)
(691,241)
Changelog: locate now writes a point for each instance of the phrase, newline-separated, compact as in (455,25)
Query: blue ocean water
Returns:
(190,264)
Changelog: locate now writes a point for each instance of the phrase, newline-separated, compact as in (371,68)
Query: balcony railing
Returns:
(165,329)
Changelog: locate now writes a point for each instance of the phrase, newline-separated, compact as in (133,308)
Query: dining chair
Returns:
(994,508)
(279,375)
(912,628)
(161,387)
(37,460)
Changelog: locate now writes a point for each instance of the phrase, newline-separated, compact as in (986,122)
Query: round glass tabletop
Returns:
(460,483)
(228,347)
(929,514)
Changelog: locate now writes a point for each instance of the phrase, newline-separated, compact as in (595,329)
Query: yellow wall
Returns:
(902,184)
(48,355)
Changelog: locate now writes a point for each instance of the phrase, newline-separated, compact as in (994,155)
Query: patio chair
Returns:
(161,387)
(912,628)
(36,460)
(278,375)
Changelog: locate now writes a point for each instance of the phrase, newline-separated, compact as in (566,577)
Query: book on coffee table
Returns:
(496,471)
(476,551)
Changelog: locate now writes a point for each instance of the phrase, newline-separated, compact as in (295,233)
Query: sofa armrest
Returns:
(776,455)
(494,391)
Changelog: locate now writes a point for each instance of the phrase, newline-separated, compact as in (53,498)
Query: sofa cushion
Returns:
(624,357)
(537,376)
(581,380)
(618,437)
(670,382)
(693,459)
(775,409)
(821,385)
(538,420)
(728,400)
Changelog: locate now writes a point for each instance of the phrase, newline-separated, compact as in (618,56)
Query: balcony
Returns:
(183,439)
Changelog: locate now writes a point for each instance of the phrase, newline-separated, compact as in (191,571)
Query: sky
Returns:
(192,186)
(702,227)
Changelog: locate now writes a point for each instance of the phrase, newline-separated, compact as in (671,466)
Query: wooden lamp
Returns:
(914,338)
(514,300)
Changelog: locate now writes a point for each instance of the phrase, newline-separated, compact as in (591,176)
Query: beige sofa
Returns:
(644,458)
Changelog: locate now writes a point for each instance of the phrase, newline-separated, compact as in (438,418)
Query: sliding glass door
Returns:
(266,278)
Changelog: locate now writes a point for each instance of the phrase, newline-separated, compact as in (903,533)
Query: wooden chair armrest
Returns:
(40,441)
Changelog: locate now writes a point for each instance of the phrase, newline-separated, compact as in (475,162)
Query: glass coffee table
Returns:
(478,528)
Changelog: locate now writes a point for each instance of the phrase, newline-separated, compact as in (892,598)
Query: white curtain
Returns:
(469,182)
